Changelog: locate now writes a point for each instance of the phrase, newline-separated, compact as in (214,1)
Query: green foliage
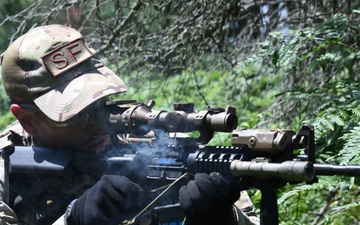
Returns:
(240,89)
(319,66)
(350,153)
(330,201)
(9,27)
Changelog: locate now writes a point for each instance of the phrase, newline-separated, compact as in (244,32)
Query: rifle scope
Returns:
(120,118)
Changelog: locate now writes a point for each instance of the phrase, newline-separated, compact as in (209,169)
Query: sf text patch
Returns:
(66,56)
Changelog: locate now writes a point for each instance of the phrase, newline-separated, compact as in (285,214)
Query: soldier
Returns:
(54,81)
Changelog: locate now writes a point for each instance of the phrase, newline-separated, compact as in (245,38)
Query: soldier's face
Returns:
(81,134)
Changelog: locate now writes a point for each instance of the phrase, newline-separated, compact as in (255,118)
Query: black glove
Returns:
(111,200)
(208,199)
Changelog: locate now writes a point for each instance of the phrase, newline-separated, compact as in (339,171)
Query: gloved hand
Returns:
(208,199)
(110,201)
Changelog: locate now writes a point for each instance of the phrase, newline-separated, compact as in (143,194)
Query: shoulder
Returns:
(245,210)
(13,134)
(7,215)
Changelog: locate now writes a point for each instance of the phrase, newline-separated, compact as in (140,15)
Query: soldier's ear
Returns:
(25,118)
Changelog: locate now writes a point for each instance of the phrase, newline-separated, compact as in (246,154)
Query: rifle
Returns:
(152,150)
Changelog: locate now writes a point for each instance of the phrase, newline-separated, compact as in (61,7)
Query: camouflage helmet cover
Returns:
(54,67)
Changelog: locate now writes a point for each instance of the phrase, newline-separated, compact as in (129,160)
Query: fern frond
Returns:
(346,207)
(351,151)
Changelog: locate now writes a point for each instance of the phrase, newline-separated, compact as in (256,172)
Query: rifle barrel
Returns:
(330,169)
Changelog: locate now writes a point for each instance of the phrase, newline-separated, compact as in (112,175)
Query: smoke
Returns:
(153,155)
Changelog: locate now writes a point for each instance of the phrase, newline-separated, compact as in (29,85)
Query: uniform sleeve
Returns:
(245,211)
(60,221)
(7,215)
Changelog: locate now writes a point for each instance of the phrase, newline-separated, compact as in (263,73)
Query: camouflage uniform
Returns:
(22,212)
(52,68)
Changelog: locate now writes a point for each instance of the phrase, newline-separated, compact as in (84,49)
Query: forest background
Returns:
(280,63)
